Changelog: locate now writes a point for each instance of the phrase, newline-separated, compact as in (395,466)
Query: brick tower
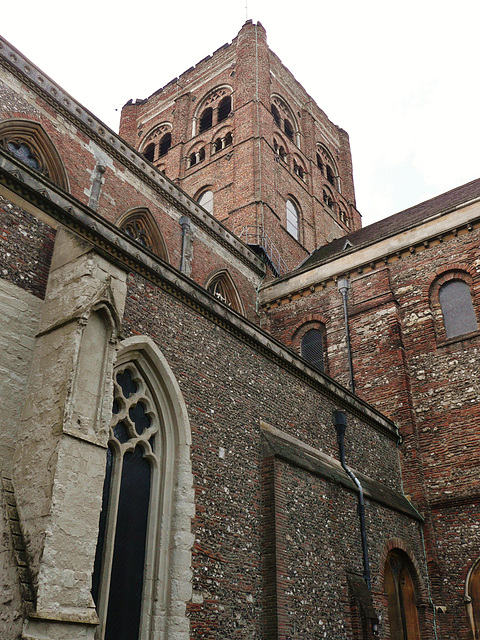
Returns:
(238,133)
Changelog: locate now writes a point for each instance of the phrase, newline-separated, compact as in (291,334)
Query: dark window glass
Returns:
(126,586)
(165,144)
(224,108)
(23,152)
(276,115)
(139,418)
(312,348)
(126,382)
(457,308)
(228,139)
(319,162)
(206,119)
(288,129)
(330,175)
(149,152)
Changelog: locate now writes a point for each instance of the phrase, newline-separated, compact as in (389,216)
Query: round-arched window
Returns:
(206,200)
(293,219)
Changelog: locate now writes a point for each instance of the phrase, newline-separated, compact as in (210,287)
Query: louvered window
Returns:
(312,349)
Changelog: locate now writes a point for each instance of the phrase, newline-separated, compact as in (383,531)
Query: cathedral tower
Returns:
(239,134)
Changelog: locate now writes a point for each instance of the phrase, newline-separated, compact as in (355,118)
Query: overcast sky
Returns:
(401,78)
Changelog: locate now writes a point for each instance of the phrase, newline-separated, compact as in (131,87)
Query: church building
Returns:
(229,411)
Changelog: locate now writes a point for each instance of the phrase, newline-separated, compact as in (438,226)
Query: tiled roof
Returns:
(396,223)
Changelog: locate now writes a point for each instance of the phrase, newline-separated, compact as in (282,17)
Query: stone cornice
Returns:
(84,120)
(42,198)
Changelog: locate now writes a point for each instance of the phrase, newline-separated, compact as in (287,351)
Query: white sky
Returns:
(401,78)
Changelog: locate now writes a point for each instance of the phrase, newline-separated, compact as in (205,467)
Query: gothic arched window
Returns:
(457,308)
(140,225)
(147,495)
(223,288)
(28,142)
(401,597)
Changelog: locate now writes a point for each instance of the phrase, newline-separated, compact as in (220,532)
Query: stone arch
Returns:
(141,226)
(166,586)
(221,285)
(29,138)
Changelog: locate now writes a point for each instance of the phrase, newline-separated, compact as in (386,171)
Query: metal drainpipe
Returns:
(340,421)
(343,285)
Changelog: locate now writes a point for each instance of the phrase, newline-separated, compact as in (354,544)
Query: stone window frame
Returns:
(222,286)
(212,100)
(143,220)
(293,201)
(33,135)
(171,509)
(461,272)
(312,322)
(299,168)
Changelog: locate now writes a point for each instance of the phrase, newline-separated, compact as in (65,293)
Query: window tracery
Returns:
(283,115)
(223,288)
(140,225)
(28,142)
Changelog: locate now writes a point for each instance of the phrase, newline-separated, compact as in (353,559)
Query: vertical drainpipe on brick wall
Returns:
(343,285)
(259,198)
(96,185)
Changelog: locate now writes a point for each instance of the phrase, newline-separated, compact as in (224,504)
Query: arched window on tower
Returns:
(276,115)
(149,153)
(293,219)
(457,308)
(224,108)
(287,127)
(206,119)
(401,597)
(205,200)
(312,348)
(331,176)
(165,144)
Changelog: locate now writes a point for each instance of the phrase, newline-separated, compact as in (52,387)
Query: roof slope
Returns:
(396,223)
